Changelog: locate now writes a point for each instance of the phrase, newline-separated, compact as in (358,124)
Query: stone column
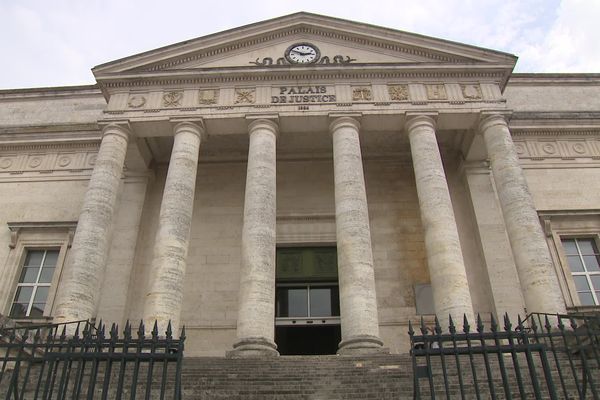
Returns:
(358,303)
(256,312)
(539,282)
(449,283)
(165,294)
(83,274)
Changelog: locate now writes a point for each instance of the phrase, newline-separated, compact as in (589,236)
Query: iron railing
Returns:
(82,361)
(558,358)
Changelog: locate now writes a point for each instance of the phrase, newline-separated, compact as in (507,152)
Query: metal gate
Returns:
(543,357)
(78,360)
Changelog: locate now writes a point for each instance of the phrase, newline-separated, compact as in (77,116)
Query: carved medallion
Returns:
(471,92)
(63,161)
(136,101)
(579,148)
(244,96)
(398,92)
(549,148)
(208,96)
(6,163)
(361,94)
(172,99)
(436,92)
(35,162)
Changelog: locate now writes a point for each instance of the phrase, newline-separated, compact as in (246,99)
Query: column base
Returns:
(360,345)
(256,347)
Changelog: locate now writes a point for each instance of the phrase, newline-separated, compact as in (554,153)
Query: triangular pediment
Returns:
(340,43)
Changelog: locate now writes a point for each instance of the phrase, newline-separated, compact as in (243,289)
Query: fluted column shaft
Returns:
(165,294)
(256,312)
(447,272)
(83,275)
(539,282)
(358,303)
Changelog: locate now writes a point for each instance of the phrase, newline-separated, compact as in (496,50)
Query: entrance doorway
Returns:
(307,302)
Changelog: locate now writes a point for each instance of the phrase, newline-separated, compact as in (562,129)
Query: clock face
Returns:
(302,53)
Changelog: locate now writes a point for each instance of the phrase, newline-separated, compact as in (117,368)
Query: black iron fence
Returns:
(542,357)
(81,361)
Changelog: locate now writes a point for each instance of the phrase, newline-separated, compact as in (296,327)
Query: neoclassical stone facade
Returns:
(302,179)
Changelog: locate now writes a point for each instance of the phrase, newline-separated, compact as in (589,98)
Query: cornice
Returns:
(309,30)
(553,79)
(358,72)
(44,92)
(6,148)
(534,132)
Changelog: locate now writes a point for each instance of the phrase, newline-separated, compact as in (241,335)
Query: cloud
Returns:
(58,42)
(571,44)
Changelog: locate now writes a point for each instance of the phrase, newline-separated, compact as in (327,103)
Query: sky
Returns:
(57,42)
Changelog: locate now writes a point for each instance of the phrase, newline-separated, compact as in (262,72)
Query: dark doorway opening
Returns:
(307,340)
(307,305)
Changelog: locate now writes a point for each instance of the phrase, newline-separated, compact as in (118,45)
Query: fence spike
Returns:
(560,325)
(182,336)
(438,328)
(114,333)
(466,326)
(76,334)
(101,330)
(411,331)
(141,329)
(155,330)
(451,326)
(169,331)
(547,324)
(480,326)
(423,327)
(573,323)
(519,323)
(38,336)
(127,331)
(507,323)
(63,334)
(493,323)
(533,325)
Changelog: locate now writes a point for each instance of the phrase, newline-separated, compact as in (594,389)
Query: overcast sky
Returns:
(57,42)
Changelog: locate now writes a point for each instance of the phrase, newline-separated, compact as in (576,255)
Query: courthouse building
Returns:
(302,185)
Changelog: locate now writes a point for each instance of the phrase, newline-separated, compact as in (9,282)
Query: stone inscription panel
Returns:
(303,94)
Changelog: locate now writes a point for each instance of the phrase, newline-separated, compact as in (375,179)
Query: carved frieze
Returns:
(471,92)
(208,96)
(136,101)
(172,99)
(436,92)
(245,96)
(362,93)
(557,149)
(398,92)
(47,160)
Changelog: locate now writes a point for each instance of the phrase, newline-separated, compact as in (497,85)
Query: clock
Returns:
(302,53)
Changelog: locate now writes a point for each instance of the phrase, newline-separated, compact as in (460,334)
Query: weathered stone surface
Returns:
(164,298)
(256,315)
(538,279)
(444,255)
(358,303)
(84,271)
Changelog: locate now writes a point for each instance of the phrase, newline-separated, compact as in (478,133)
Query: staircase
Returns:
(298,377)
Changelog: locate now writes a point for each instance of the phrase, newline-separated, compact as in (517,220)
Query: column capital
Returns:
(417,119)
(269,123)
(195,126)
(121,129)
(488,119)
(344,120)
